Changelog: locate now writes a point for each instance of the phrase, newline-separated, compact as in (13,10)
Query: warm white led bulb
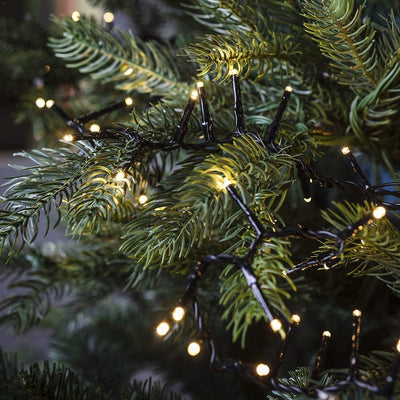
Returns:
(345,150)
(76,16)
(200,84)
(193,349)
(326,334)
(119,176)
(162,328)
(307,199)
(379,212)
(68,137)
(142,199)
(296,318)
(194,95)
(288,89)
(40,102)
(262,370)
(356,313)
(49,103)
(398,346)
(128,101)
(94,128)
(234,71)
(108,17)
(178,313)
(275,325)
(128,71)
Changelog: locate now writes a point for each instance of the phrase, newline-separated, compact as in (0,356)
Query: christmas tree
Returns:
(230,202)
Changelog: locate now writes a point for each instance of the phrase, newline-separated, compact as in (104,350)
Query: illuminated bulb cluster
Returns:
(194,349)
(262,370)
(275,325)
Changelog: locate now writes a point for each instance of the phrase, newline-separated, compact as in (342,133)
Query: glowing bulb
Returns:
(40,102)
(193,349)
(49,103)
(94,128)
(356,313)
(234,71)
(200,84)
(128,71)
(108,17)
(326,334)
(119,176)
(379,212)
(296,318)
(68,137)
(76,16)
(307,199)
(398,346)
(345,150)
(275,325)
(129,101)
(162,328)
(227,182)
(142,199)
(288,89)
(194,95)
(262,370)
(178,314)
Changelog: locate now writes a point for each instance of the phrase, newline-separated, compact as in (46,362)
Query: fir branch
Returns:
(347,40)
(375,248)
(246,51)
(37,192)
(126,61)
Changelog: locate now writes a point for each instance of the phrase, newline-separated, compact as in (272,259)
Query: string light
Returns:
(307,199)
(296,319)
(275,325)
(356,313)
(49,103)
(398,346)
(94,128)
(108,17)
(233,71)
(76,16)
(262,370)
(178,313)
(120,176)
(200,84)
(193,349)
(345,150)
(194,95)
(142,199)
(288,89)
(128,71)
(128,101)
(326,334)
(40,102)
(379,212)
(162,328)
(68,137)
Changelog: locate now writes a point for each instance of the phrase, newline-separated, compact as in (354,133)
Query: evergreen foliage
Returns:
(344,68)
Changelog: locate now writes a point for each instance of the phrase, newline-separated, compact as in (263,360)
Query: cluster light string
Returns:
(306,174)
